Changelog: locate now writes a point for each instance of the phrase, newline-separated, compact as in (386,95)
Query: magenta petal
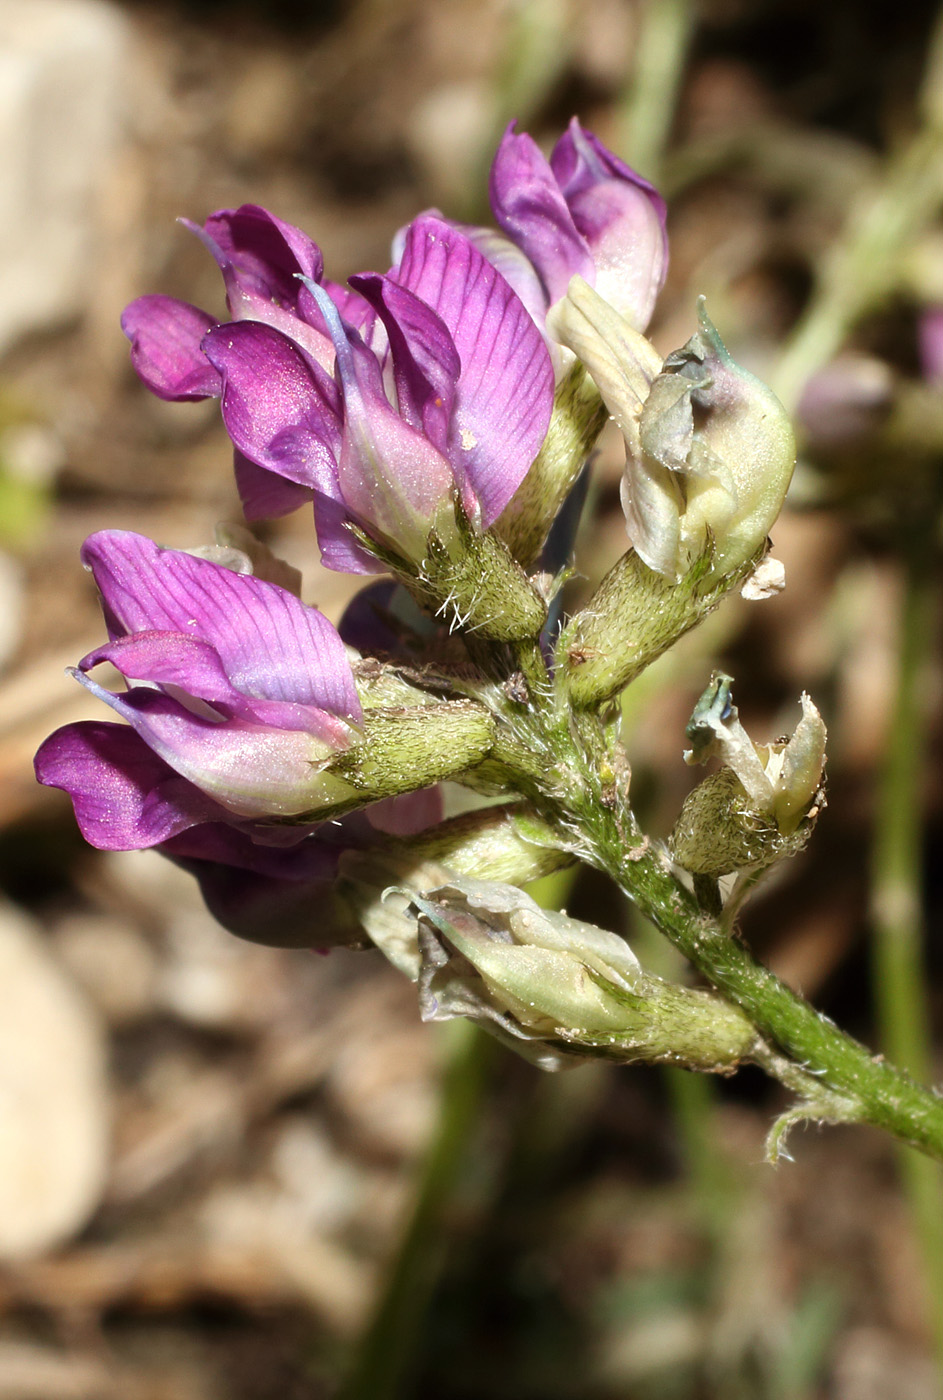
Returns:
(262,269)
(367,623)
(184,666)
(391,477)
(425,362)
(267,254)
(514,266)
(283,899)
(280,408)
(307,857)
(264,495)
(530,207)
(270,644)
(580,161)
(622,218)
(353,309)
(168,658)
(250,769)
(125,796)
(166,336)
(505,390)
(338,545)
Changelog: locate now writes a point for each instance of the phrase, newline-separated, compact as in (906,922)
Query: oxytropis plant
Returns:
(438,417)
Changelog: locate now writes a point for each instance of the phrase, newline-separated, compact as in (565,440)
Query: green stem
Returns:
(900,978)
(866,263)
(651,96)
(819,1060)
(694,1100)
(387,1351)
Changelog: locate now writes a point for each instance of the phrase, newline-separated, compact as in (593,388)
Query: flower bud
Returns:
(490,953)
(709,449)
(709,455)
(760,806)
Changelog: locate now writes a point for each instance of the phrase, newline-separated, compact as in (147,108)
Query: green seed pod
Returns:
(760,806)
(719,831)
(554,986)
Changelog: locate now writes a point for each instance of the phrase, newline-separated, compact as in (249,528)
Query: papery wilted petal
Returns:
(490,953)
(760,806)
(709,464)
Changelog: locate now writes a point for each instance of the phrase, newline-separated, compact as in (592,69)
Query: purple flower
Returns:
(239,697)
(240,693)
(930,337)
(452,399)
(269,884)
(261,259)
(583,212)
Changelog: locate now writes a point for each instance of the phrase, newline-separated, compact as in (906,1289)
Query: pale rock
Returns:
(448,129)
(12,612)
(62,66)
(112,961)
(54,1112)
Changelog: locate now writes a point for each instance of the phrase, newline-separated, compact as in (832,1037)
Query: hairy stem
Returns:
(875,1090)
(836,1078)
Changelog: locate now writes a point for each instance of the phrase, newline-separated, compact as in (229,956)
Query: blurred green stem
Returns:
(694,1100)
(900,979)
(651,94)
(694,1104)
(868,260)
(387,1352)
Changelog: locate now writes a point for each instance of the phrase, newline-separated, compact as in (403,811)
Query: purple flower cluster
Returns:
(408,402)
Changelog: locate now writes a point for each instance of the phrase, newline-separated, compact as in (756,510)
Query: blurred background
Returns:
(233,1173)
